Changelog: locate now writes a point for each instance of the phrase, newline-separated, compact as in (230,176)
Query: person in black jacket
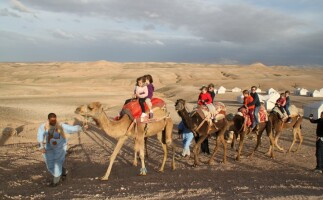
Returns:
(319,143)
(255,102)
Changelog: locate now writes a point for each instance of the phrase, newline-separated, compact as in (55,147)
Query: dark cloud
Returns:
(190,31)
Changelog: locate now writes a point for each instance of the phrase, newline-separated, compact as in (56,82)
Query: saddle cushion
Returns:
(133,108)
(263,117)
(220,108)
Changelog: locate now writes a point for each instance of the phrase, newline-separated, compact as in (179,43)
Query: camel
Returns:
(194,124)
(278,126)
(124,128)
(238,126)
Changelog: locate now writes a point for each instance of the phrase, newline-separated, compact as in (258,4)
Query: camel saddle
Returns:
(133,109)
(263,116)
(203,111)
(292,109)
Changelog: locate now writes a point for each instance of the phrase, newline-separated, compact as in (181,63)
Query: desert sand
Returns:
(29,91)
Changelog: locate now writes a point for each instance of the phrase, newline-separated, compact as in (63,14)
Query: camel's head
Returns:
(90,110)
(180,104)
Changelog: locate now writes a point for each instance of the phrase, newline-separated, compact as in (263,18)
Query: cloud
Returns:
(7,12)
(17,5)
(149,27)
(58,33)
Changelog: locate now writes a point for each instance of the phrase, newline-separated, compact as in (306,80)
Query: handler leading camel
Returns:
(53,144)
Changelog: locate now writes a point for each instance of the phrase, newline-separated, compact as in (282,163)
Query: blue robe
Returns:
(55,154)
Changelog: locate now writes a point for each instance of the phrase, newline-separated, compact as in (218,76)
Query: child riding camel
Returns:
(211,91)
(281,102)
(150,87)
(247,100)
(206,99)
(287,94)
(141,93)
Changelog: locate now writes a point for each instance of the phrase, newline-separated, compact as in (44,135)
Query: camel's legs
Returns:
(272,145)
(160,138)
(276,141)
(300,139)
(215,150)
(143,170)
(196,149)
(135,161)
(224,147)
(294,140)
(146,140)
(242,135)
(169,140)
(233,140)
(260,132)
(113,156)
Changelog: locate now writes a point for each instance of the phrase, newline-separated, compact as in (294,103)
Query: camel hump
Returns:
(133,109)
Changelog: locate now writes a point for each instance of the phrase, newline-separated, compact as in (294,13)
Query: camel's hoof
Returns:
(210,162)
(143,172)
(250,156)
(237,158)
(223,162)
(161,170)
(104,178)
(135,164)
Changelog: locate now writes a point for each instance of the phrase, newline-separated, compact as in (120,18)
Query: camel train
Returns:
(144,116)
(129,125)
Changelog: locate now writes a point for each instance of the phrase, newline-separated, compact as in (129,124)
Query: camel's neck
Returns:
(112,128)
(186,118)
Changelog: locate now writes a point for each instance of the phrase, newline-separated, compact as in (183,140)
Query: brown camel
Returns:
(193,123)
(238,126)
(123,129)
(278,126)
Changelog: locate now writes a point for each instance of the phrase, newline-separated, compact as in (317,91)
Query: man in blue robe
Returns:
(53,145)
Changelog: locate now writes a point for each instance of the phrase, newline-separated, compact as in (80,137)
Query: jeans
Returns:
(187,139)
(319,154)
(256,112)
(287,110)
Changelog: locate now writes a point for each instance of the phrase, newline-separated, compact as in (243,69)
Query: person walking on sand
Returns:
(53,145)
(319,143)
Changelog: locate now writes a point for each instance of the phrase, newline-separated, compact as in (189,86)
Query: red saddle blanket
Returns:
(248,120)
(133,108)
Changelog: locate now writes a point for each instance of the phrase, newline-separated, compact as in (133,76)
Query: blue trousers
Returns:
(187,139)
(256,119)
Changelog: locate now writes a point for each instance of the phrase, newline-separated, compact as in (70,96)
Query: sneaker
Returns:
(319,171)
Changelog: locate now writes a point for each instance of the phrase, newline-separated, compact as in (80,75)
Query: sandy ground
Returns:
(29,91)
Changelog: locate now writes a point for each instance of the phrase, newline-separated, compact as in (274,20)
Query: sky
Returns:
(273,32)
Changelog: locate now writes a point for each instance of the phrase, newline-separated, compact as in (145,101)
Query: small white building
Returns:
(236,89)
(321,91)
(221,90)
(303,92)
(271,100)
(315,93)
(240,98)
(314,108)
(271,90)
(258,90)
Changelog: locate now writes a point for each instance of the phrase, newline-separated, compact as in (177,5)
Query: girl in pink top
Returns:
(141,93)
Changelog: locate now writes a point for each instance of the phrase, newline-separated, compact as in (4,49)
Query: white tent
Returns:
(240,98)
(271,90)
(314,108)
(221,90)
(303,92)
(321,91)
(263,98)
(315,93)
(258,90)
(271,101)
(236,89)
